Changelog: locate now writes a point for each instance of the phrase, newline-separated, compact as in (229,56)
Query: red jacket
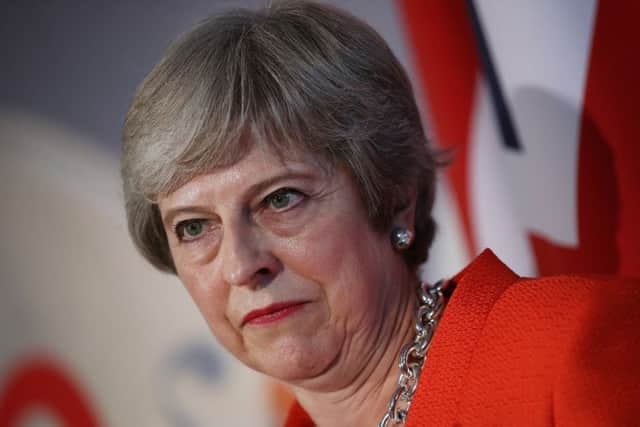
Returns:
(510,351)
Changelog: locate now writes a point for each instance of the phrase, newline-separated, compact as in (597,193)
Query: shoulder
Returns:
(551,302)
(589,327)
(579,303)
(608,289)
(578,318)
(569,343)
(511,350)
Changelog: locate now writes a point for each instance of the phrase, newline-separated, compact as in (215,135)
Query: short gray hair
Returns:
(298,75)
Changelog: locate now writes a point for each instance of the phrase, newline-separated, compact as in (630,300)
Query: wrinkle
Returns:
(392,329)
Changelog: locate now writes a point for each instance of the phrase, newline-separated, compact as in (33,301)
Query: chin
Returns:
(295,359)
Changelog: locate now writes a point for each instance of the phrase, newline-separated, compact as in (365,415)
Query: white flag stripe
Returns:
(495,221)
(540,52)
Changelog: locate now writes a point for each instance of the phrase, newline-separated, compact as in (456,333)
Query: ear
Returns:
(405,210)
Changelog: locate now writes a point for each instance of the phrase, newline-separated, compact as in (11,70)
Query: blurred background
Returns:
(538,100)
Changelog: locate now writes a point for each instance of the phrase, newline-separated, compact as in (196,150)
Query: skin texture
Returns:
(270,230)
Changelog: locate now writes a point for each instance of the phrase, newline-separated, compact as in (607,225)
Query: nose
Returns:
(247,259)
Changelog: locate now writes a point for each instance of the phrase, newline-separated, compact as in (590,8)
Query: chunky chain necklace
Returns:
(412,356)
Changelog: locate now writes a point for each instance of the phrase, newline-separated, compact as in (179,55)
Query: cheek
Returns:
(209,295)
(211,298)
(344,255)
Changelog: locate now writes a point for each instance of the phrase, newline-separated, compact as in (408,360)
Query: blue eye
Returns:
(283,199)
(190,229)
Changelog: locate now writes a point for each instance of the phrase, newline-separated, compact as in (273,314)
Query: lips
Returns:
(272,313)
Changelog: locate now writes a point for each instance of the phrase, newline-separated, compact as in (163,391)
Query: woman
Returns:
(275,161)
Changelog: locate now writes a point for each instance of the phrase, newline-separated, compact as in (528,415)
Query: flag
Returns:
(538,100)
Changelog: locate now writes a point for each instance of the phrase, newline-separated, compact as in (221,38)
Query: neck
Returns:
(365,375)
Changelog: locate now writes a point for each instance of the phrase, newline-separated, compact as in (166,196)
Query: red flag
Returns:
(565,199)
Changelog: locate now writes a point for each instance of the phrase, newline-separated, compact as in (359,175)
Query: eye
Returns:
(283,199)
(191,229)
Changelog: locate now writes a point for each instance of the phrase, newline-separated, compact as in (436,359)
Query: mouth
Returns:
(272,313)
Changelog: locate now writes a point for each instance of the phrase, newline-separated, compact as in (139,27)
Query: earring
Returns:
(401,238)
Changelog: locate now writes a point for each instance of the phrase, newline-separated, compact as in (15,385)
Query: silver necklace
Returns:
(413,355)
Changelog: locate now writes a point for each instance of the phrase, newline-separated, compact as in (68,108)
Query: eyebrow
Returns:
(254,189)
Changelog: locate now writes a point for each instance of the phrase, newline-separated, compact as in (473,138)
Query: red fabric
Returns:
(298,417)
(510,351)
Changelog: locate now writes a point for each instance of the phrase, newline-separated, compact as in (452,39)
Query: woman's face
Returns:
(282,262)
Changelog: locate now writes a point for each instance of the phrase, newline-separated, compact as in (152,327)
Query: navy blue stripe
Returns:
(505,121)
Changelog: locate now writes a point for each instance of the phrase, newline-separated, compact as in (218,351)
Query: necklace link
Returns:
(413,355)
